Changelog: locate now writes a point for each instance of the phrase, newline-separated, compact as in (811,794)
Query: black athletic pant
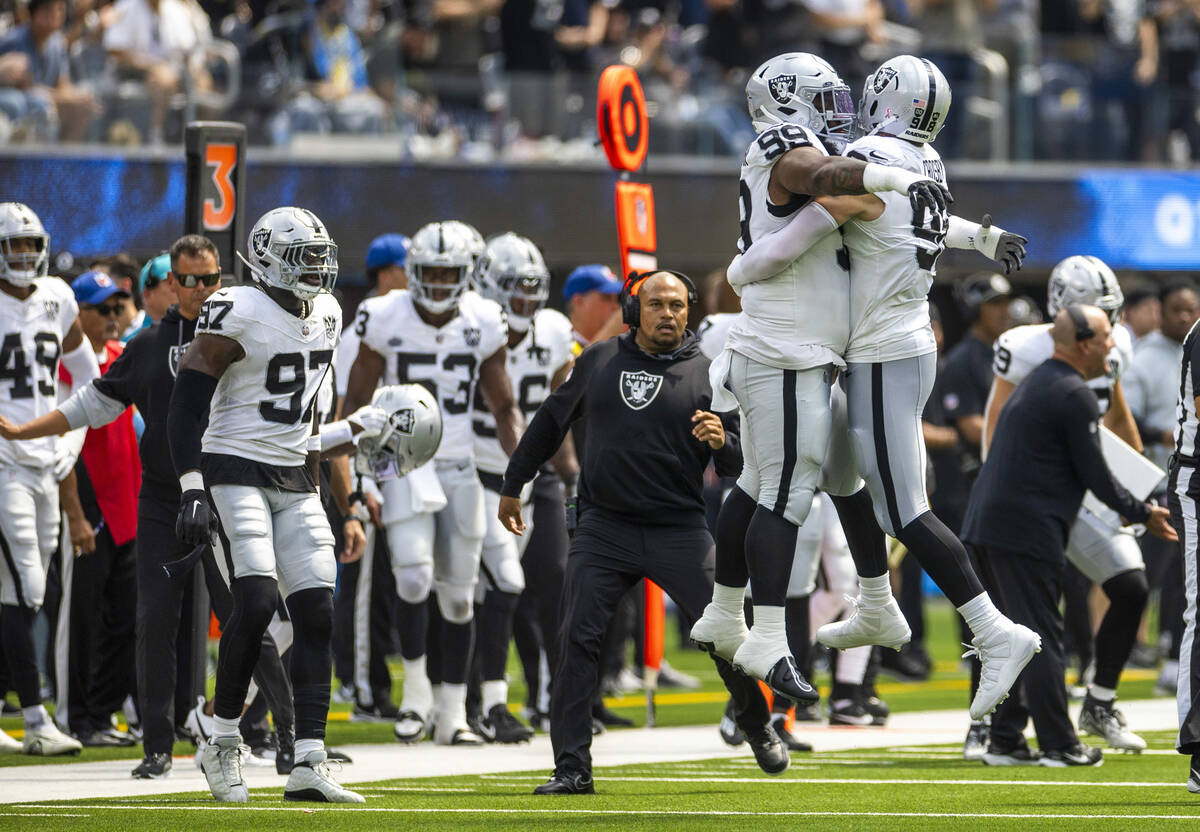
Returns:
(94,639)
(1027,591)
(608,556)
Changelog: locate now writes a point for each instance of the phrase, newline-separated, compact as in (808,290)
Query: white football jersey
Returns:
(263,406)
(444,359)
(893,259)
(33,331)
(532,363)
(1021,349)
(713,331)
(343,357)
(800,317)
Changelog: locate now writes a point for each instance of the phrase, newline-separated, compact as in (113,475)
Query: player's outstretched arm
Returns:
(771,253)
(498,395)
(53,423)
(808,172)
(991,241)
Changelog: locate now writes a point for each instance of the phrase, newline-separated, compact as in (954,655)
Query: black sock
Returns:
(255,599)
(943,556)
(435,649)
(16,645)
(456,651)
(797,624)
(495,632)
(733,522)
(1127,594)
(770,550)
(413,623)
(868,545)
(311,665)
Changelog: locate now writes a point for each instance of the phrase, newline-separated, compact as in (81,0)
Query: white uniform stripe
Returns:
(62,632)
(1188,542)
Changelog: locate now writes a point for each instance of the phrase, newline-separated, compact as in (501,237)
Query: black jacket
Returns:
(144,376)
(1044,455)
(640,459)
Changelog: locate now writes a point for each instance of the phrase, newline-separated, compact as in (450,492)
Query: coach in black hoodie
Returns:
(645,397)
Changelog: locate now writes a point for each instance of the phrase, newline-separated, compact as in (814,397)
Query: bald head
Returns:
(1089,354)
(663,299)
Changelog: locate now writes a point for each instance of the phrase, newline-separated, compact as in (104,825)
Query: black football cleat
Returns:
(568,782)
(731,734)
(153,767)
(785,679)
(1193,783)
(779,724)
(285,750)
(769,750)
(502,727)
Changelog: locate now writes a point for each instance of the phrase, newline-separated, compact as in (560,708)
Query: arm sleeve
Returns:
(549,427)
(89,406)
(770,253)
(728,459)
(1081,418)
(81,364)
(187,416)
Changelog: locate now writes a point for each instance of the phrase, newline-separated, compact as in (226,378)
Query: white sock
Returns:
(418,695)
(226,727)
(35,716)
(980,614)
(494,693)
(306,747)
(452,702)
(852,665)
(730,599)
(875,592)
(769,623)
(1102,694)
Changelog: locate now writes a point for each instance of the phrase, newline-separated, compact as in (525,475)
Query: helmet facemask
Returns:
(525,294)
(835,106)
(21,268)
(432,292)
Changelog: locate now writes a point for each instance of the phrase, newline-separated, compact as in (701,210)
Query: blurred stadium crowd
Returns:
(1111,80)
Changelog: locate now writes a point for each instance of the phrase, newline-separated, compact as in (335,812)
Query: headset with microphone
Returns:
(631,304)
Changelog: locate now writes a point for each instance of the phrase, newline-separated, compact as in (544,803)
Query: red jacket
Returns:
(110,455)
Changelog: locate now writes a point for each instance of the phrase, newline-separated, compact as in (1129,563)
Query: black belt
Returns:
(1177,460)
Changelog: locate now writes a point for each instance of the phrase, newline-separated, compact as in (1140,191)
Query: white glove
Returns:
(66,452)
(372,420)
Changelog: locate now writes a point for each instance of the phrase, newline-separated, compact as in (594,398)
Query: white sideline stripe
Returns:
(684,812)
(413,789)
(856,781)
(40,815)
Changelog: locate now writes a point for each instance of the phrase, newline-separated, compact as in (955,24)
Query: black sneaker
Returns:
(106,738)
(1193,783)
(1019,755)
(153,767)
(878,709)
(849,712)
(382,712)
(807,712)
(769,750)
(1079,755)
(608,718)
(731,734)
(779,724)
(567,782)
(785,679)
(502,727)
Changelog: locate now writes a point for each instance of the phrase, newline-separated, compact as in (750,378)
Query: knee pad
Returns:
(1128,588)
(414,582)
(456,602)
(503,565)
(311,614)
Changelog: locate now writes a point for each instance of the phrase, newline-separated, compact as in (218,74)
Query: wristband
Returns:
(356,497)
(314,443)
(191,481)
(352,516)
(878,178)
(335,434)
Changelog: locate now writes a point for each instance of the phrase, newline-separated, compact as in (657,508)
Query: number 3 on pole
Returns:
(221,158)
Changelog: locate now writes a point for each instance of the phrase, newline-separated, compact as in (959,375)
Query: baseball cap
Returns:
(387,250)
(95,287)
(155,270)
(982,287)
(592,278)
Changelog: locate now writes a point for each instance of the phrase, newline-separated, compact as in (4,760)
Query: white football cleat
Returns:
(884,625)
(311,781)
(47,741)
(9,745)
(1003,653)
(222,766)
(774,664)
(719,633)
(200,725)
(451,730)
(1104,719)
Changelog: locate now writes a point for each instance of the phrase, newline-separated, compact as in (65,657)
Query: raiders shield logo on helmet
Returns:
(174,356)
(260,240)
(472,335)
(882,78)
(331,327)
(638,389)
(782,87)
(402,421)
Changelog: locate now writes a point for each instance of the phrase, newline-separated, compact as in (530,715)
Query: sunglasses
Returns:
(189,281)
(106,309)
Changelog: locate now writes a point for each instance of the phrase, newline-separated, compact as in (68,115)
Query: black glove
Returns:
(195,521)
(1010,248)
(929,195)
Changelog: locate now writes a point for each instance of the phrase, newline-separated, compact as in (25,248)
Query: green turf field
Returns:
(927,788)
(946,689)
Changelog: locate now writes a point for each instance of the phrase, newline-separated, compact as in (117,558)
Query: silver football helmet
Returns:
(477,242)
(440,245)
(513,273)
(290,249)
(1083,278)
(800,88)
(906,97)
(408,440)
(18,222)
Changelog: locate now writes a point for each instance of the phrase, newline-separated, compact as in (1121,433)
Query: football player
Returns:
(781,353)
(1099,546)
(260,355)
(891,251)
(438,334)
(513,273)
(39,324)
